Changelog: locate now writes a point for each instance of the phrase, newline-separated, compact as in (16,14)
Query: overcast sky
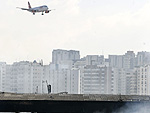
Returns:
(94,27)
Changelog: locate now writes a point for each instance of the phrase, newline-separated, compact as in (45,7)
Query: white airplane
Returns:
(34,10)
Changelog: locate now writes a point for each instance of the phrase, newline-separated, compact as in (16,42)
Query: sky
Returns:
(93,27)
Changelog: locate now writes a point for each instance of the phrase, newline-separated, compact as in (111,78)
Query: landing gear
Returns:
(42,13)
(33,13)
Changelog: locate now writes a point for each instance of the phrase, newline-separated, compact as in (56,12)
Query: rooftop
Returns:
(73,97)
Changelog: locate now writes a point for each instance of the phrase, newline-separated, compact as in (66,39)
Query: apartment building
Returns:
(3,78)
(97,80)
(143,80)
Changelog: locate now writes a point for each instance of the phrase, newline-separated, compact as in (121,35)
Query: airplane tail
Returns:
(29,5)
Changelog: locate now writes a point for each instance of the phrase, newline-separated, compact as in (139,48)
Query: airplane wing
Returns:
(51,9)
(23,8)
(47,11)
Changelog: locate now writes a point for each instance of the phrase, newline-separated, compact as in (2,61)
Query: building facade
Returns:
(143,80)
(97,80)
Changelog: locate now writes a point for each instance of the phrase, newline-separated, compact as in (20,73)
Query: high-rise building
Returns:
(58,78)
(94,60)
(9,79)
(25,77)
(46,78)
(143,58)
(121,81)
(129,60)
(126,81)
(64,74)
(116,61)
(74,81)
(143,80)
(64,79)
(65,57)
(131,82)
(97,80)
(37,73)
(80,63)
(3,78)
(20,77)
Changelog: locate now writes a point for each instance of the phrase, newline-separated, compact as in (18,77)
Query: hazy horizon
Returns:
(93,27)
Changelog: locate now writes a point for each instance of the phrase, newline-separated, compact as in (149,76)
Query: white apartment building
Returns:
(58,78)
(3,78)
(21,77)
(25,77)
(64,76)
(143,80)
(129,60)
(97,80)
(80,63)
(46,78)
(116,61)
(74,81)
(131,82)
(9,79)
(94,60)
(142,58)
(64,79)
(113,80)
(125,81)
(91,80)
(65,57)
(37,73)
(121,81)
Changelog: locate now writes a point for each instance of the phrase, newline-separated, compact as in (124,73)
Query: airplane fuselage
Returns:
(39,9)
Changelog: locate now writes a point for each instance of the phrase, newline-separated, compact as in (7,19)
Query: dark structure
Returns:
(65,103)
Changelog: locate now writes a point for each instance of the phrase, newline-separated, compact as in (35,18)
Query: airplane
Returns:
(34,10)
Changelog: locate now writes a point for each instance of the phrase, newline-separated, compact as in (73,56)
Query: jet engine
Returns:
(47,11)
(34,11)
